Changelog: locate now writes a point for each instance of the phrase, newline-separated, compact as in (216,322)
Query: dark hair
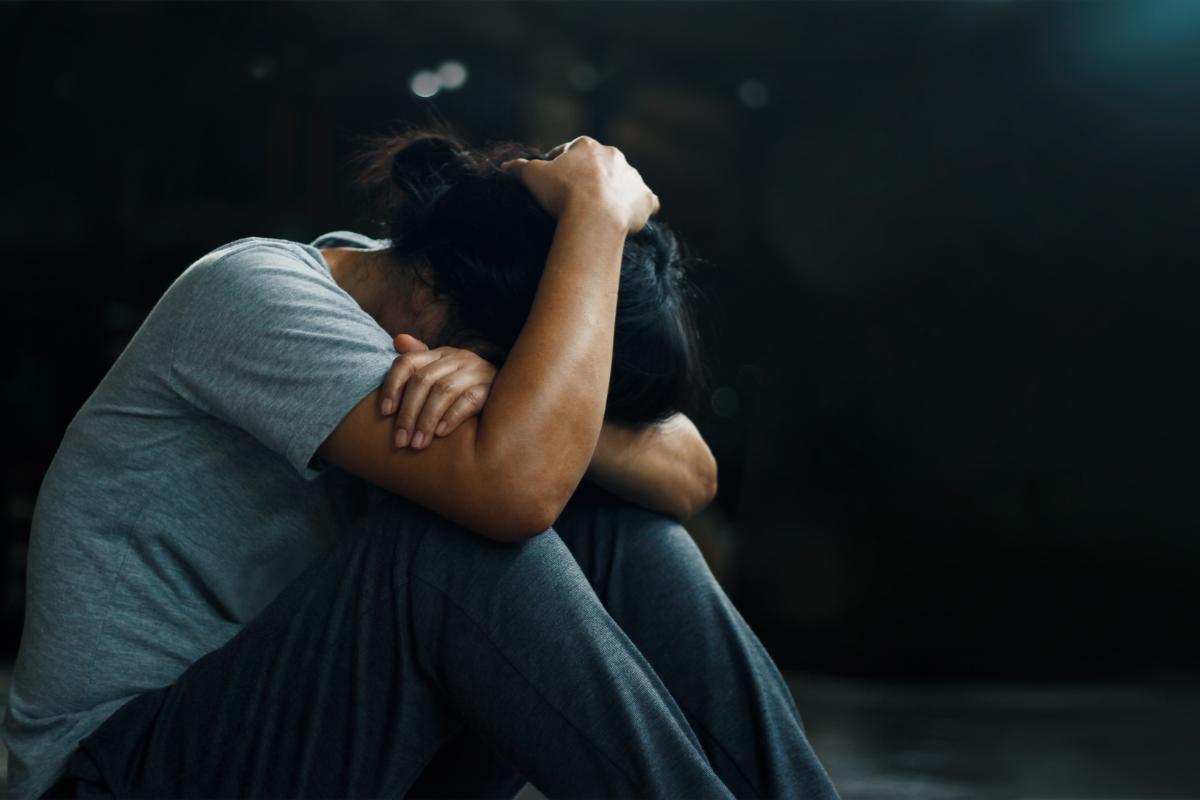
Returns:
(484,240)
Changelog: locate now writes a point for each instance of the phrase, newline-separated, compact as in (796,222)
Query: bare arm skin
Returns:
(509,472)
(665,467)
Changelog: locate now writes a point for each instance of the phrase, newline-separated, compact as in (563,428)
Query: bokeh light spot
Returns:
(753,93)
(262,68)
(452,74)
(725,401)
(425,83)
(583,77)
(750,377)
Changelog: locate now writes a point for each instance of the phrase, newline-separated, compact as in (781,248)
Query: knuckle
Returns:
(474,396)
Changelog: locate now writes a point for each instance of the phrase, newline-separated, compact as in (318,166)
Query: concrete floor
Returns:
(992,742)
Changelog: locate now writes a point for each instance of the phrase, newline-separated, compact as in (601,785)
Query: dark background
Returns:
(949,274)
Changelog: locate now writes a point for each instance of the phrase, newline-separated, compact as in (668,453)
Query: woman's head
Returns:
(479,239)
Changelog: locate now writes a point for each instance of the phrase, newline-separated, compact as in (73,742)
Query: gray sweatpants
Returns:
(598,659)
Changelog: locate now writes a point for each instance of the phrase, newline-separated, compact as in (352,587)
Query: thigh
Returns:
(361,670)
(322,694)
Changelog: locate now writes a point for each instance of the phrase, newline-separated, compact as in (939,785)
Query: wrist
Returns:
(601,462)
(594,210)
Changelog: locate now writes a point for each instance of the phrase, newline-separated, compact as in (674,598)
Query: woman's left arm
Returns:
(665,467)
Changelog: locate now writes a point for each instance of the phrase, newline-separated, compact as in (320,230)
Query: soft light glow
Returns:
(425,83)
(262,68)
(724,401)
(753,93)
(583,77)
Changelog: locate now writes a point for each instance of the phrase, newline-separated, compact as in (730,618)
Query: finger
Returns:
(442,395)
(468,404)
(473,377)
(416,392)
(514,165)
(402,369)
(559,149)
(407,343)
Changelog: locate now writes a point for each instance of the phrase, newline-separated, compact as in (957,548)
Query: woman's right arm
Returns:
(509,472)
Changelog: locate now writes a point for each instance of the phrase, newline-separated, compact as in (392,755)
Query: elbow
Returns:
(704,487)
(542,506)
(522,512)
(709,492)
(521,521)
(525,491)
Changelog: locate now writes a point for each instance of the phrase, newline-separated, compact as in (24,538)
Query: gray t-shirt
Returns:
(185,494)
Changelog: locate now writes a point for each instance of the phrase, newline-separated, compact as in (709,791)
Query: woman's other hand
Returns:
(583,172)
(433,391)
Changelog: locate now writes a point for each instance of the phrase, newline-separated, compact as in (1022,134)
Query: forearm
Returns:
(542,420)
(666,467)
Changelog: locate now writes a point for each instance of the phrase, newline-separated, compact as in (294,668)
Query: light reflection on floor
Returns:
(990,742)
(983,742)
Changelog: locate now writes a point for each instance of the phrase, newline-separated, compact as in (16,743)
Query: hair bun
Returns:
(424,164)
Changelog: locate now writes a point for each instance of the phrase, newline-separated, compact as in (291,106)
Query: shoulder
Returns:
(254,282)
(343,238)
(255,257)
(250,271)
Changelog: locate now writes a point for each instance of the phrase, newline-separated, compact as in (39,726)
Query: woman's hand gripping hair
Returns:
(585,172)
(441,389)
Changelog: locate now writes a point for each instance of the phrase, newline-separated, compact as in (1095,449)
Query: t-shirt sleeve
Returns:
(272,345)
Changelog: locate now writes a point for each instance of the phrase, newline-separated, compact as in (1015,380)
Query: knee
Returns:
(663,544)
(639,541)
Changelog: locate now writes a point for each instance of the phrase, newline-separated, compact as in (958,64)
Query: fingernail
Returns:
(418,439)
(387,405)
(401,437)
(441,428)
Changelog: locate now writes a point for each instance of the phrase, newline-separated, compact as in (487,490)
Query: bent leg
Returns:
(352,679)
(654,582)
